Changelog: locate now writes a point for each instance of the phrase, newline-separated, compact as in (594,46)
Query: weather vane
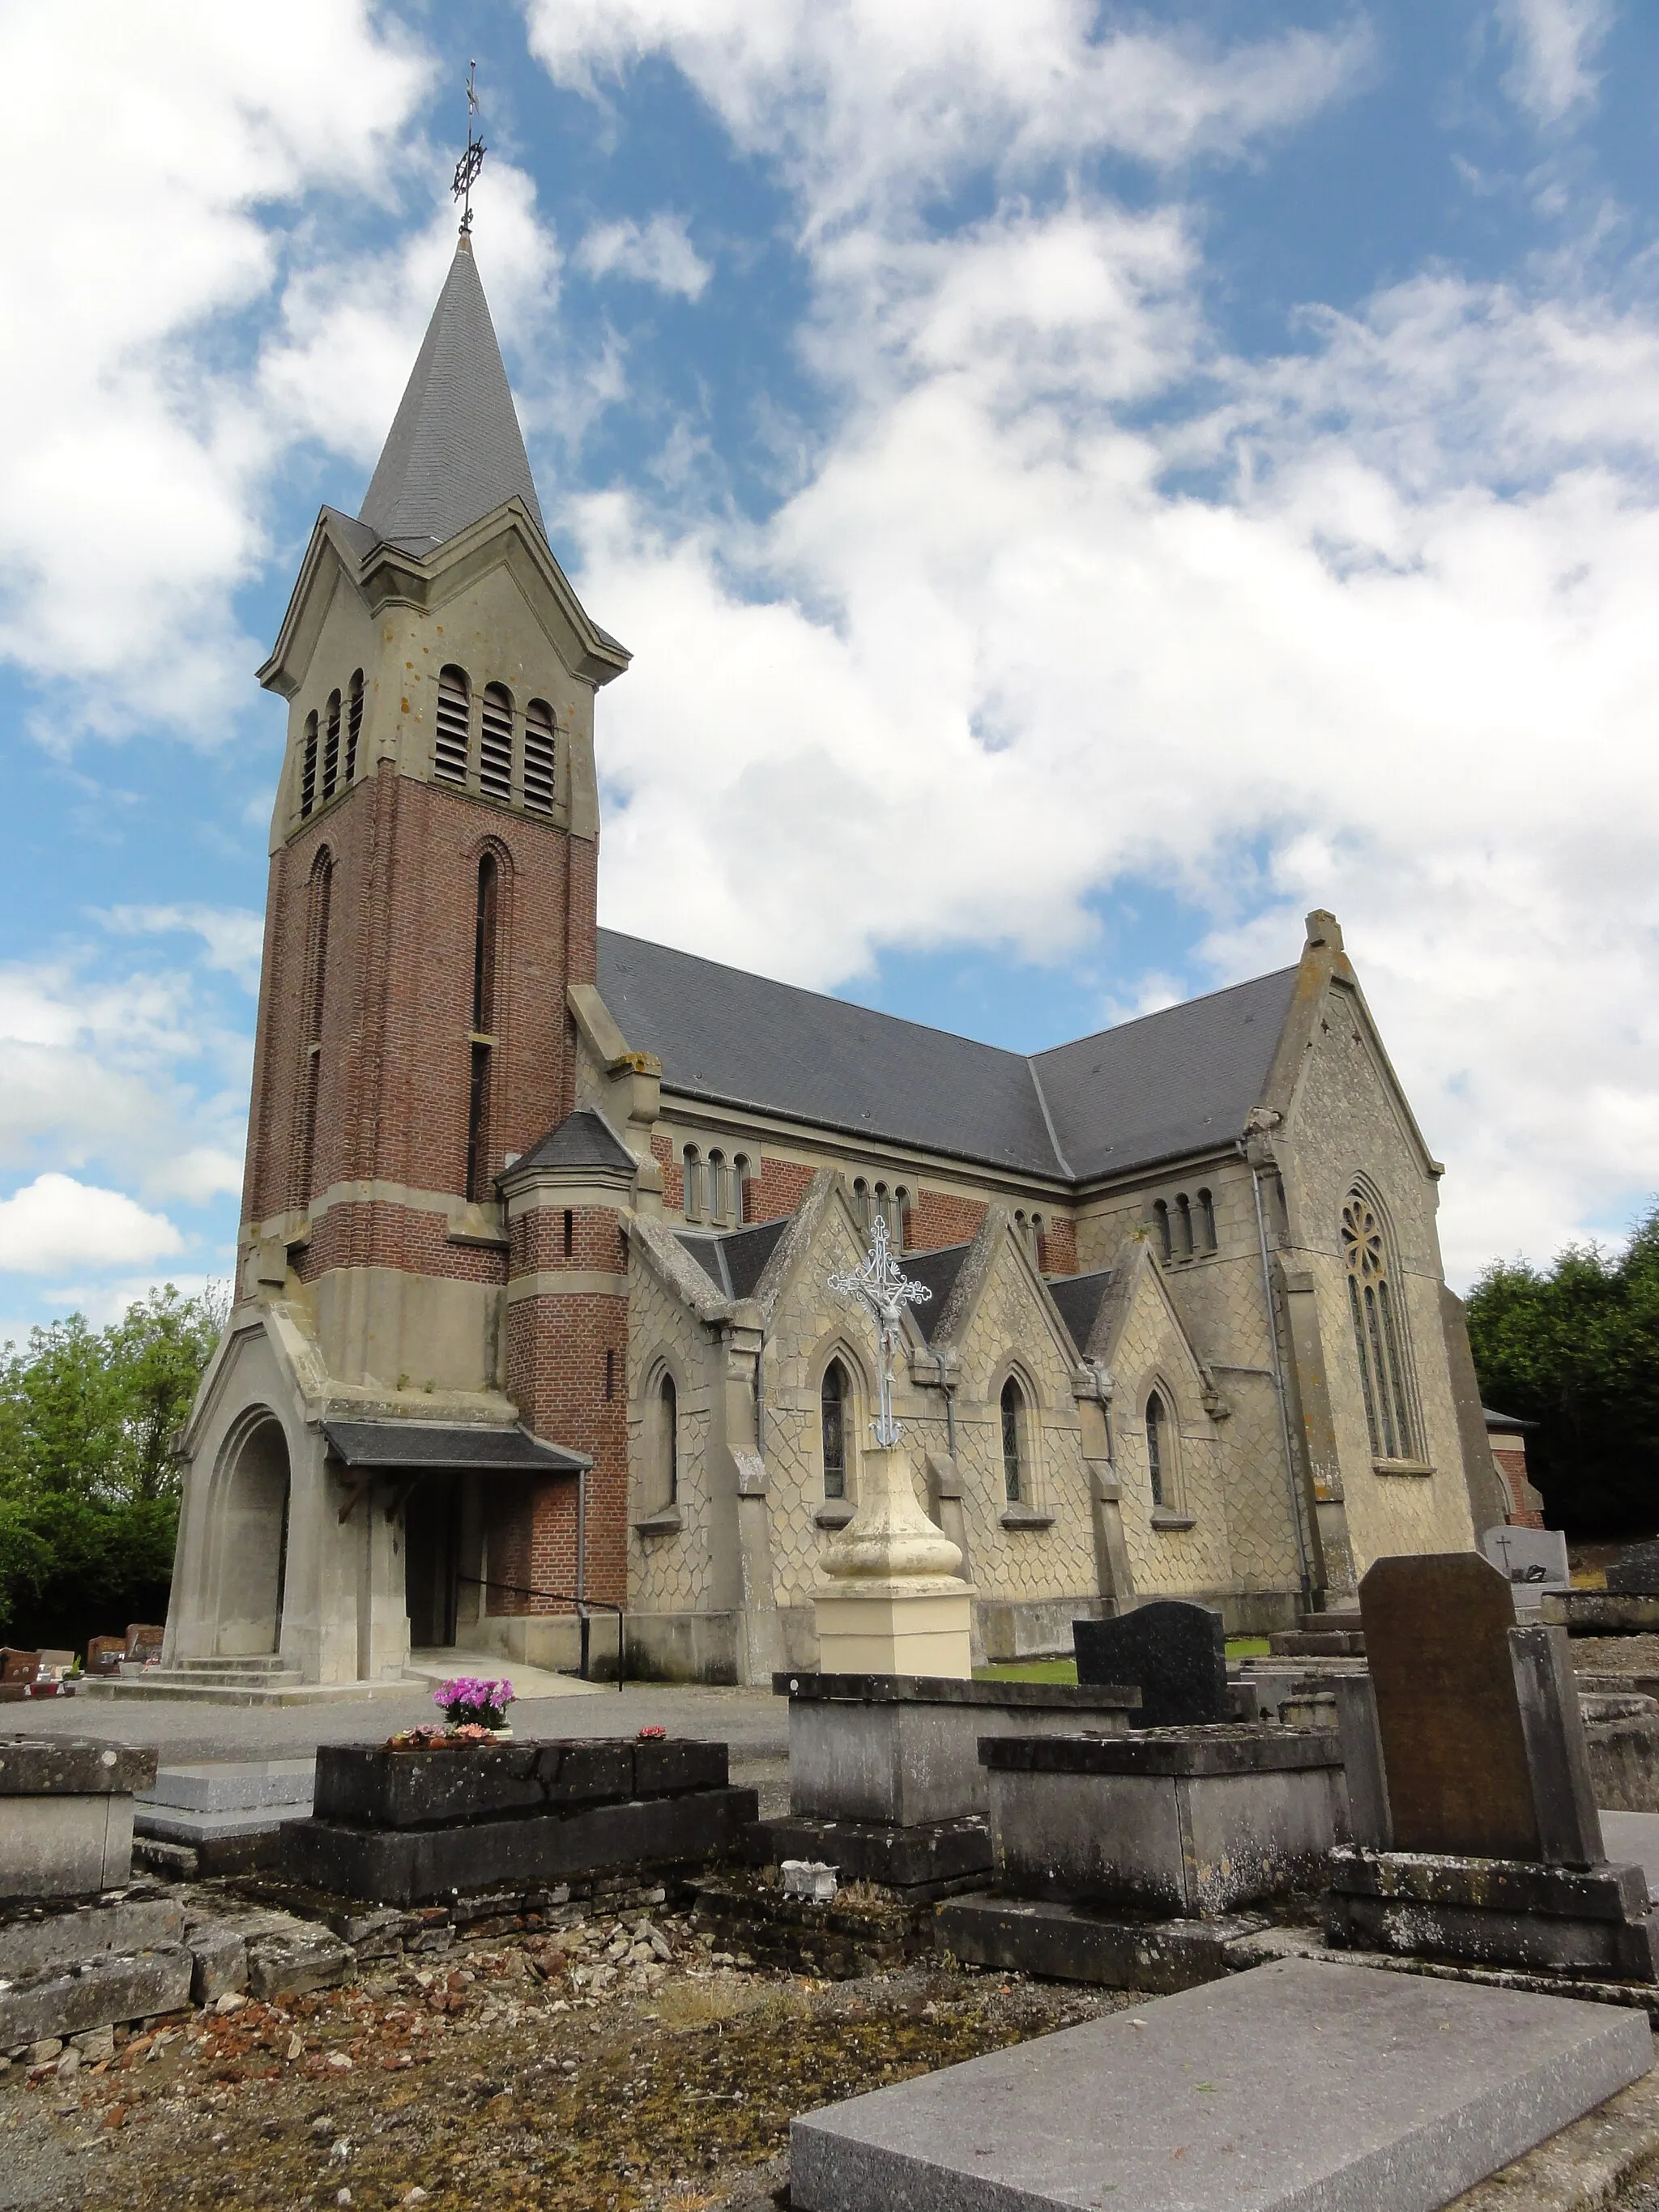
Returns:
(883,1293)
(467,168)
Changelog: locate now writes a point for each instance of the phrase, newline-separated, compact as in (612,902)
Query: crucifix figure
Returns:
(883,1293)
(467,168)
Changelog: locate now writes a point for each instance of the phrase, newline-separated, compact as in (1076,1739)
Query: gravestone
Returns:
(1637,1569)
(1175,1654)
(1475,1829)
(1437,1636)
(1532,1558)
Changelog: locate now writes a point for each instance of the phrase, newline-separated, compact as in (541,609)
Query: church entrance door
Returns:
(432,1529)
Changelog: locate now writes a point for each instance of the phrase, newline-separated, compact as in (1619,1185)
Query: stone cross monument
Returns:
(888,1600)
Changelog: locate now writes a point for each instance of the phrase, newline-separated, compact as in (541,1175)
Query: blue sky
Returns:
(1082,485)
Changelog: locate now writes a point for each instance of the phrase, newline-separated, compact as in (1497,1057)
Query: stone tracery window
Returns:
(1378,1329)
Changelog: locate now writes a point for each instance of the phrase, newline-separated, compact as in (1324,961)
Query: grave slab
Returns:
(427,1788)
(1192,1822)
(1069,1943)
(904,1748)
(232,1785)
(1174,1653)
(113,1986)
(1294,2087)
(928,1857)
(1585,1923)
(411,1866)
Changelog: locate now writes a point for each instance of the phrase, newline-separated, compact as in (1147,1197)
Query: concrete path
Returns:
(753,1722)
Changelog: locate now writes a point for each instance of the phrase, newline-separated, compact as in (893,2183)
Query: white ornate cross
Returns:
(883,1293)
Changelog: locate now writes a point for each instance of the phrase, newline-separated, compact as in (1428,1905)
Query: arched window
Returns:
(1161,1221)
(483,1028)
(1207,1219)
(740,1189)
(308,768)
(540,756)
(450,742)
(331,747)
(495,744)
(316,980)
(1184,1222)
(832,1414)
(717,1188)
(1378,1329)
(1037,1241)
(1157,1448)
(861,1202)
(1013,1440)
(354,724)
(691,1167)
(902,1219)
(668,1444)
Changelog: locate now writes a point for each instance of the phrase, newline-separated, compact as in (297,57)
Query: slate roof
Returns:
(1178,1081)
(734,1259)
(444,1447)
(582,1140)
(455,451)
(938,1270)
(1081,1298)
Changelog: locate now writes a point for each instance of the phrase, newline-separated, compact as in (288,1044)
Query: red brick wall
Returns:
(375,1233)
(1057,1248)
(673,1175)
(1512,1466)
(596,1240)
(939,1218)
(778,1189)
(395,1062)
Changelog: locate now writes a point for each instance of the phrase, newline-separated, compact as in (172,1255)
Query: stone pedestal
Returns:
(890,1601)
(66,1815)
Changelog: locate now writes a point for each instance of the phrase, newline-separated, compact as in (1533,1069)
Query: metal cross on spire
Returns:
(883,1293)
(467,168)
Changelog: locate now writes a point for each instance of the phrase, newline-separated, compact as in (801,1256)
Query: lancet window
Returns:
(1013,1440)
(833,1397)
(484,931)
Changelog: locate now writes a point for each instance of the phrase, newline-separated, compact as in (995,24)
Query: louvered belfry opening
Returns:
(331,747)
(450,744)
(496,744)
(354,724)
(540,756)
(308,768)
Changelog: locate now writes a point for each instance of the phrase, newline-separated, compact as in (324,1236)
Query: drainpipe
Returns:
(1297,1502)
(950,1390)
(581,1533)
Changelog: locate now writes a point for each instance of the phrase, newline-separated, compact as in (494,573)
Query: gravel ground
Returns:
(608,2068)
(1616,1655)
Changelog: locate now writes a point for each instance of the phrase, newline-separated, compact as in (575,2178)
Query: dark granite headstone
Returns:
(1636,1569)
(1448,1711)
(1174,1653)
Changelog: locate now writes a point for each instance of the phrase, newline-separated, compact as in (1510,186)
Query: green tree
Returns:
(88,1490)
(1577,1349)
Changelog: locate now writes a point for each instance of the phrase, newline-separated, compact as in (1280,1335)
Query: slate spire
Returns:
(455,451)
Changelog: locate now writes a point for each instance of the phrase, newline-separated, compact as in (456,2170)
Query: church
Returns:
(531,1317)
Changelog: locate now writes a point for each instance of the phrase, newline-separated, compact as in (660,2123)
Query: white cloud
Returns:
(660,253)
(56,1222)
(130,509)
(138,1074)
(233,937)
(866,103)
(1555,42)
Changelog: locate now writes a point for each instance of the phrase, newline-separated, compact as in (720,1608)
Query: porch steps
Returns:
(254,1681)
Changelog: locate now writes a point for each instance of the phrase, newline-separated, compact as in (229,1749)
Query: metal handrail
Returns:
(563,1597)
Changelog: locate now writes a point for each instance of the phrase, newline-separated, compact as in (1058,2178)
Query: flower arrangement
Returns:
(651,1734)
(474,1706)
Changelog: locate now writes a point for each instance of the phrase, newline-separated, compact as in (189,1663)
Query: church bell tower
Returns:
(432,890)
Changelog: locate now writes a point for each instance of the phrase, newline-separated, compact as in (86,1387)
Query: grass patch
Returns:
(1029,1670)
(1247,1647)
